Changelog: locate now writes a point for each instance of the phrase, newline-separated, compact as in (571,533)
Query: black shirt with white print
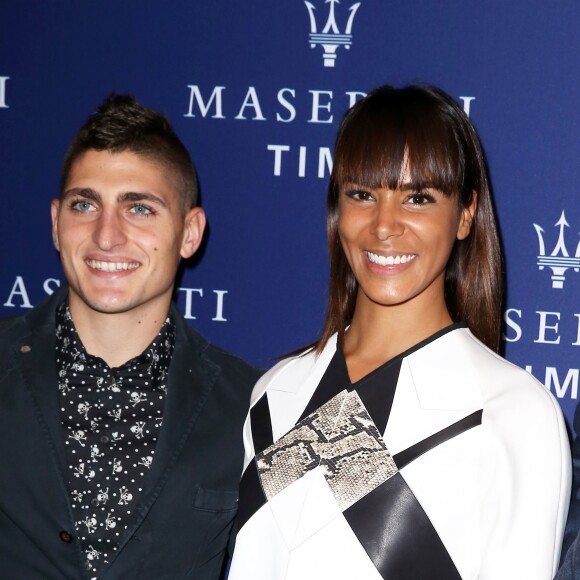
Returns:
(111,419)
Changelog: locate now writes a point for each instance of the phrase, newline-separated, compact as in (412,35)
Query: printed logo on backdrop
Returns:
(558,260)
(556,325)
(331,37)
(279,105)
(195,302)
(331,29)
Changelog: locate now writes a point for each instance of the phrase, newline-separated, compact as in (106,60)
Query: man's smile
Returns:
(112,266)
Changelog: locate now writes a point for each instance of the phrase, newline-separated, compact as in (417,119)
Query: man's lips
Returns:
(103,266)
(390,260)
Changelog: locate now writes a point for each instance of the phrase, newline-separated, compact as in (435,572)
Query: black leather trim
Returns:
(398,536)
(334,380)
(261,425)
(411,453)
(252,496)
(378,394)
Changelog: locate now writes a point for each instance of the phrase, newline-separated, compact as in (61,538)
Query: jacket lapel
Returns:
(191,380)
(43,501)
(437,386)
(290,391)
(36,359)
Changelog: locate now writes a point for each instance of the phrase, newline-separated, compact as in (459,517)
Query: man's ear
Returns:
(54,211)
(194,226)
(466,218)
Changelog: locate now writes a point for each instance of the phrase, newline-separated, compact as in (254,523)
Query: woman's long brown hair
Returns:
(443,151)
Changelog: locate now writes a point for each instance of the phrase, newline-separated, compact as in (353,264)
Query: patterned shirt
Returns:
(111,419)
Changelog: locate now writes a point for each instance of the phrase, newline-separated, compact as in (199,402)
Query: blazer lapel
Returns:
(191,379)
(290,391)
(36,359)
(45,502)
(437,386)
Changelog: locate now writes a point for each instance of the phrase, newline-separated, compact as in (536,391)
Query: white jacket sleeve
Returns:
(524,481)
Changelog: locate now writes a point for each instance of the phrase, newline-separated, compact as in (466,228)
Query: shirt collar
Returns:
(154,360)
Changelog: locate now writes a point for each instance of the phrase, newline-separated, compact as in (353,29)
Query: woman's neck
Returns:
(378,333)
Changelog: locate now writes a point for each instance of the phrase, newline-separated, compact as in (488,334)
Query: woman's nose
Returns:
(387,220)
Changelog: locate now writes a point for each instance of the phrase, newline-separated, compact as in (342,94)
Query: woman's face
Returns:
(398,242)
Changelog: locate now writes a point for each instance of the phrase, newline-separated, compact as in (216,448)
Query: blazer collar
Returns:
(446,363)
(446,374)
(191,378)
(34,352)
(303,374)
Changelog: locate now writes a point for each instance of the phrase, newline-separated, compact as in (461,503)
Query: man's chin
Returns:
(102,304)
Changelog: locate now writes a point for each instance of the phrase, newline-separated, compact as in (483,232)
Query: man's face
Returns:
(121,233)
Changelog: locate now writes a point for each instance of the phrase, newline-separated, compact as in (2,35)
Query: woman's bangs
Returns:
(369,153)
(434,158)
(378,140)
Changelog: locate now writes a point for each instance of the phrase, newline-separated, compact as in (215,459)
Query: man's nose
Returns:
(109,231)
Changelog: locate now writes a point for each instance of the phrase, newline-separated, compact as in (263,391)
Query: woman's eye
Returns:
(420,198)
(140,209)
(359,194)
(83,206)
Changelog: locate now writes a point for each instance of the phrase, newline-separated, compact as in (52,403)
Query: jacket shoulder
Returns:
(231,366)
(10,323)
(233,363)
(500,375)
(464,368)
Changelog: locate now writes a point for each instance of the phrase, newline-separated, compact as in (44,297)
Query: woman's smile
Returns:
(391,260)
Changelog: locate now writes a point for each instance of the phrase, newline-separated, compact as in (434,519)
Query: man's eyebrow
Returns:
(128,196)
(85,192)
(134,196)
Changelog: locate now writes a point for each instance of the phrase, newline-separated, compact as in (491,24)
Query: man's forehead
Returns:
(127,171)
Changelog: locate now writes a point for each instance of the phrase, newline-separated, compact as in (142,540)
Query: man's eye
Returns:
(83,206)
(141,209)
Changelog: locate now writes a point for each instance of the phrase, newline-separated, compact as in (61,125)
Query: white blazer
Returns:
(497,495)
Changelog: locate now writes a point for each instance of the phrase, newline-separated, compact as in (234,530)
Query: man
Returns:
(120,426)
(570,562)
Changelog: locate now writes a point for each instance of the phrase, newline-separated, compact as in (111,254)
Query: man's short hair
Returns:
(121,124)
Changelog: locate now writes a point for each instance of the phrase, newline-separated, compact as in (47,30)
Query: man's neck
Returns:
(117,337)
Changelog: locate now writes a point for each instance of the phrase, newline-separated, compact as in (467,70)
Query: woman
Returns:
(401,445)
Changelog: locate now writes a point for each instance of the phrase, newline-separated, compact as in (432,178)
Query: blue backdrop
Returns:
(250,91)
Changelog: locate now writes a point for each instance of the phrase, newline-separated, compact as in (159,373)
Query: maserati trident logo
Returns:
(559,261)
(330,37)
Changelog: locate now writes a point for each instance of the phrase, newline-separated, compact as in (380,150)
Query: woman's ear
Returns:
(466,218)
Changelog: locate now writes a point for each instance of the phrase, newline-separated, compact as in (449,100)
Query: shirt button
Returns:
(104,439)
(65,536)
(95,501)
(25,348)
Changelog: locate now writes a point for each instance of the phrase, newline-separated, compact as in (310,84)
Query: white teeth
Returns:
(390,260)
(112,266)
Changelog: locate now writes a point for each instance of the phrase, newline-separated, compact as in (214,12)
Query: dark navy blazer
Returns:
(181,526)
(570,567)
